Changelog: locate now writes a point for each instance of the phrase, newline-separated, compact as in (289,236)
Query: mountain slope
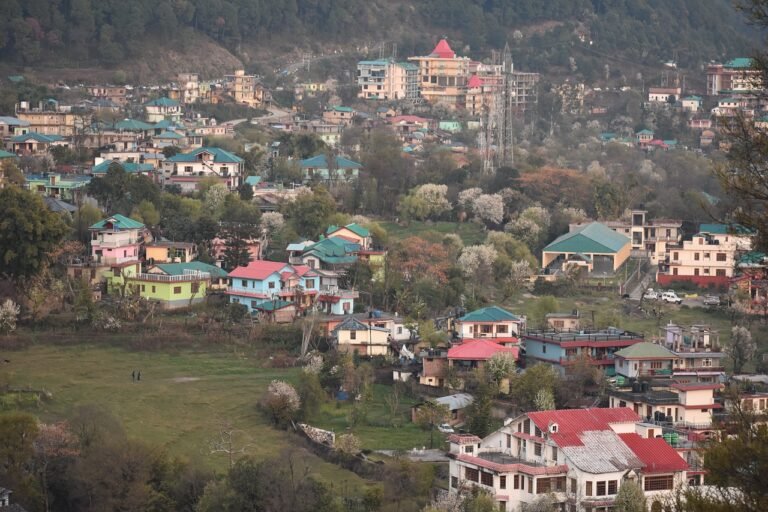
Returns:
(544,33)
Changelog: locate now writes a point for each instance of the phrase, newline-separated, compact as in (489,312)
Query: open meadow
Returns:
(182,398)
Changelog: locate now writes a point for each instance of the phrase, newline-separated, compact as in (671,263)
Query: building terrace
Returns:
(584,336)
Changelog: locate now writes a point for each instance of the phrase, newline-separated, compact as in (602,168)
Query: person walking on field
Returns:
(133,375)
(138,376)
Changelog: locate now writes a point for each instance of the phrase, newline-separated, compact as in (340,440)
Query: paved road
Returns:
(274,113)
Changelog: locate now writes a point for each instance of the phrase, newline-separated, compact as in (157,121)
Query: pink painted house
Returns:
(116,239)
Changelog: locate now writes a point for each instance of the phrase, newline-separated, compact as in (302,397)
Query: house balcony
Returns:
(114,244)
(655,372)
(188,275)
(704,370)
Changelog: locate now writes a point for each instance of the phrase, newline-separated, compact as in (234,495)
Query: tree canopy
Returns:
(29,232)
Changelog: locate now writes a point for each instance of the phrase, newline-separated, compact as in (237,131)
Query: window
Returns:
(600,489)
(720,272)
(353,335)
(516,482)
(527,426)
(554,453)
(537,449)
(244,283)
(399,330)
(707,256)
(537,431)
(469,448)
(574,485)
(502,482)
(695,256)
(543,485)
(454,482)
(486,479)
(656,365)
(486,329)
(471,474)
(658,483)
(706,271)
(613,486)
(254,304)
(721,256)
(530,485)
(309,283)
(187,168)
(501,329)
(153,288)
(176,290)
(195,287)
(589,489)
(543,348)
(676,256)
(271,285)
(509,441)
(142,288)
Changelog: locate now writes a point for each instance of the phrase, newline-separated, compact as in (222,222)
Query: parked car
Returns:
(711,300)
(671,297)
(650,294)
(445,428)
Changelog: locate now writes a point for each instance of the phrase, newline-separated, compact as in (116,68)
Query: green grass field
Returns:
(469,232)
(179,403)
(378,434)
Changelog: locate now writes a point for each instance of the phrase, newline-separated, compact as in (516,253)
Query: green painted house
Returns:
(176,285)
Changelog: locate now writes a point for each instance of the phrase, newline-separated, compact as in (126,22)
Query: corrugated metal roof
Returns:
(258,269)
(645,350)
(593,238)
(479,350)
(489,314)
(320,162)
(601,451)
(656,455)
(576,421)
(457,401)
(119,221)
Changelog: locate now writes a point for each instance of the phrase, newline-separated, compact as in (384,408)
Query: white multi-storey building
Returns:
(580,458)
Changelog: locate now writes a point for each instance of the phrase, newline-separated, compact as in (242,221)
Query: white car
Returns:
(650,294)
(445,428)
(671,297)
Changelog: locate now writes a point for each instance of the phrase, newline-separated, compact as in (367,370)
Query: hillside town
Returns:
(541,294)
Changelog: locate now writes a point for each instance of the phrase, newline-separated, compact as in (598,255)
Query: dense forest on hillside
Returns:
(543,32)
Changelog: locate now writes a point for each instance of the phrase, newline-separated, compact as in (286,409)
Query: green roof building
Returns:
(489,322)
(644,360)
(317,168)
(330,253)
(594,246)
(117,222)
(129,167)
